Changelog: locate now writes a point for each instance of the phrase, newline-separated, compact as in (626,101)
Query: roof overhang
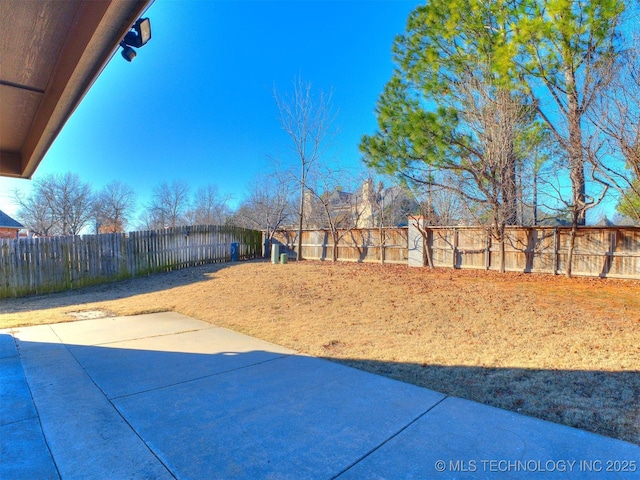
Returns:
(51,52)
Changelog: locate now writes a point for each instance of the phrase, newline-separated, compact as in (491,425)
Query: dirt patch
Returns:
(90,314)
(566,350)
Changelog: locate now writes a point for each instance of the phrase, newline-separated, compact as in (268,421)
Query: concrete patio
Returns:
(167,396)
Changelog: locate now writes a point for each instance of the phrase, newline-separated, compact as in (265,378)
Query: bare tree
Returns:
(334,207)
(440,205)
(35,213)
(616,115)
(267,206)
(59,205)
(146,220)
(539,156)
(468,147)
(386,206)
(560,204)
(169,204)
(113,206)
(209,207)
(492,118)
(71,201)
(306,118)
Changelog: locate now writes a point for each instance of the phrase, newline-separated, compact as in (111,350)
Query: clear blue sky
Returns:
(197,103)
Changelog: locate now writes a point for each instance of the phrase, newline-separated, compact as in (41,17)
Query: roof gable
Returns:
(7,222)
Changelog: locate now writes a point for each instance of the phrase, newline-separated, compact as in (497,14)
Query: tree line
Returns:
(63,204)
(515,106)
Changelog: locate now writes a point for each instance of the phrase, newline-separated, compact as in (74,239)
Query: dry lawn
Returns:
(565,350)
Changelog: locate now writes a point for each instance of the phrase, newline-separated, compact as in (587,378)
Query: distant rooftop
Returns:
(7,222)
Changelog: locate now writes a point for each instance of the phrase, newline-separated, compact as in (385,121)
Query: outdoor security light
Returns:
(139,35)
(128,53)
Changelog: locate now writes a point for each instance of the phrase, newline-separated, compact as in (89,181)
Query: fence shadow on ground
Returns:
(115,290)
(603,402)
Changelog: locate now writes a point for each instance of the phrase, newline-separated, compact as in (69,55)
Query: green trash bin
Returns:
(284,258)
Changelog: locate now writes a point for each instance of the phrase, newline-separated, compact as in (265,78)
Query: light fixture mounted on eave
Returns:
(139,35)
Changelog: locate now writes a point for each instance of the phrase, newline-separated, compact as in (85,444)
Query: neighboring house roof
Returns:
(7,222)
(339,199)
(554,222)
(605,222)
(52,52)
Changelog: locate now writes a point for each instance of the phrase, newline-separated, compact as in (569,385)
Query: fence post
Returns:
(455,248)
(556,239)
(487,252)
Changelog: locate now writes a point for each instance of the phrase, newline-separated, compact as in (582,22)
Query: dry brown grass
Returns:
(566,350)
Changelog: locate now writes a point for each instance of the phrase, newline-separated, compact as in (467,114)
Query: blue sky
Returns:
(197,103)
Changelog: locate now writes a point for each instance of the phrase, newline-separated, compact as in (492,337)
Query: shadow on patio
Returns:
(171,397)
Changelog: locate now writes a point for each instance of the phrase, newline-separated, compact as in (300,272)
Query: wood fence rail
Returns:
(599,251)
(52,264)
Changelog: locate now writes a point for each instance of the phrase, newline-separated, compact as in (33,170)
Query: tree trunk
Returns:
(535,198)
(509,190)
(382,245)
(577,175)
(503,260)
(576,155)
(572,242)
(424,232)
(501,239)
(299,250)
(427,248)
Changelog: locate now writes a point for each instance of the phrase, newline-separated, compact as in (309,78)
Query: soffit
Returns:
(51,52)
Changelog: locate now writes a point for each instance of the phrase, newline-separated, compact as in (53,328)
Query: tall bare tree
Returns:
(539,157)
(169,204)
(267,207)
(59,205)
(35,214)
(616,115)
(209,207)
(71,201)
(337,204)
(113,206)
(307,120)
(494,116)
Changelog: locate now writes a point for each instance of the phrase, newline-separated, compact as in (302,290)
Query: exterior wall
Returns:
(9,232)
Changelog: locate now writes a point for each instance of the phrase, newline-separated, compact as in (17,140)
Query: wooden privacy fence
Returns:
(598,251)
(358,245)
(52,264)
